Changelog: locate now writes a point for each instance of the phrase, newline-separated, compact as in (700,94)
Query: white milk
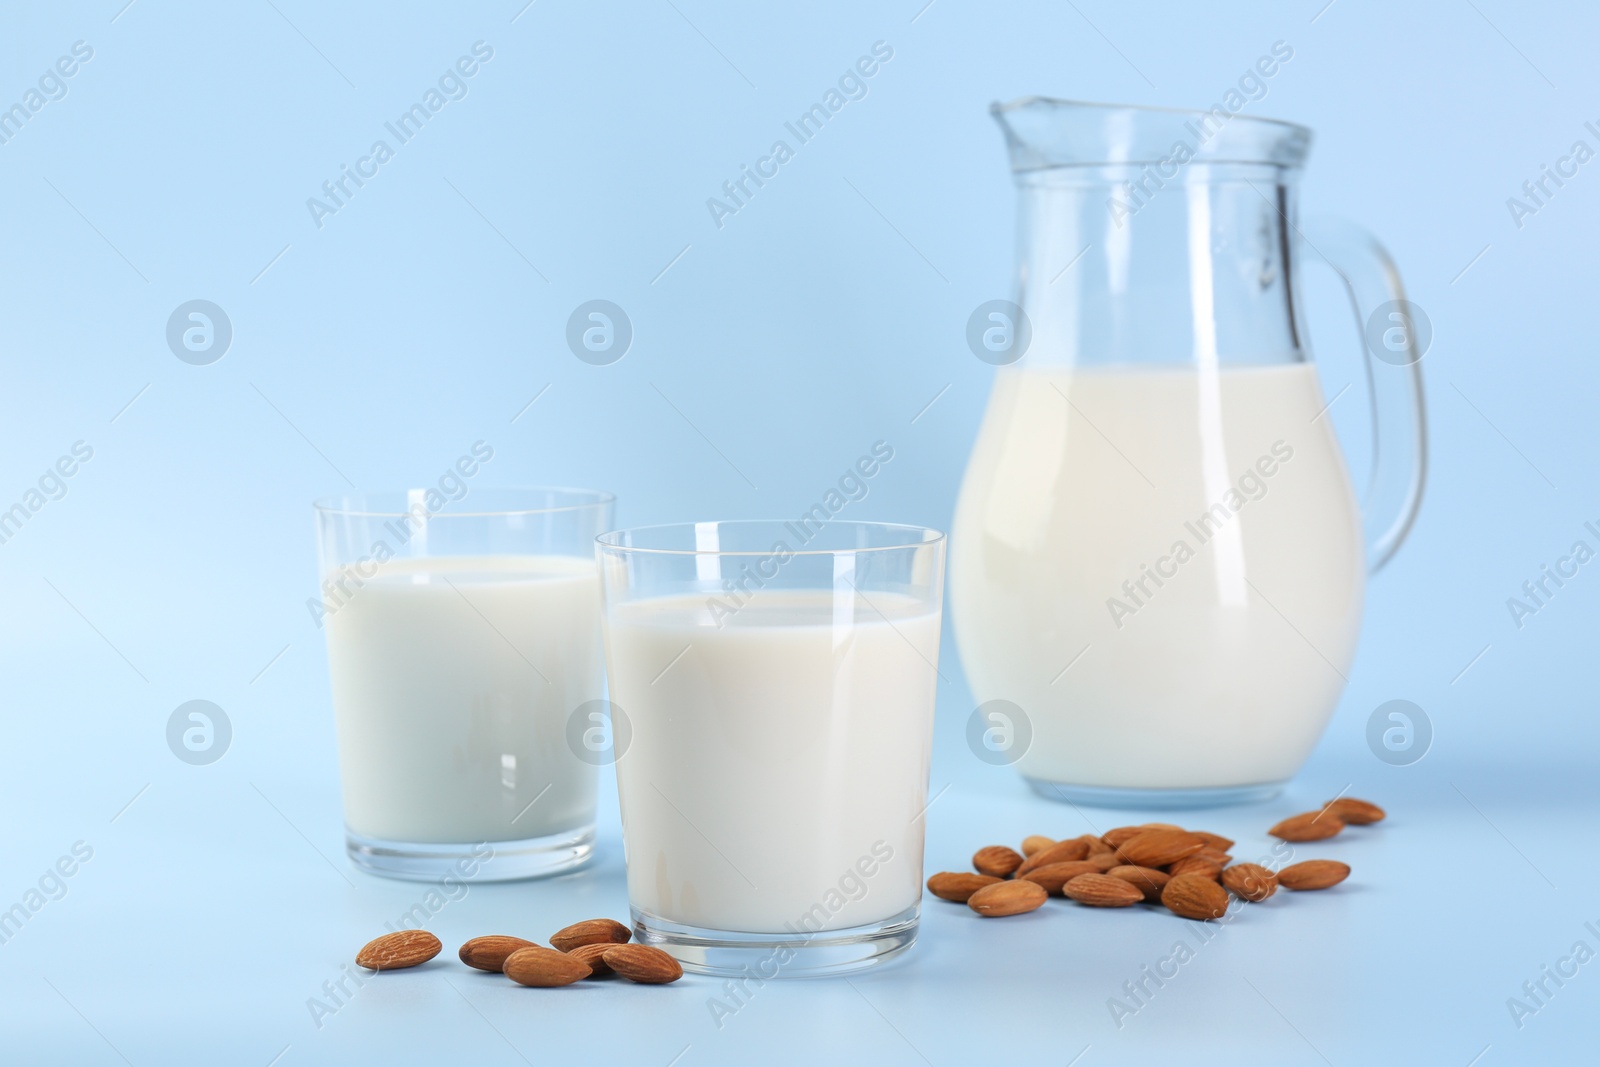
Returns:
(778,767)
(453,678)
(1222,668)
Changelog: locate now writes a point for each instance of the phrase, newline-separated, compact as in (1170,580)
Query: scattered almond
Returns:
(996,860)
(594,956)
(1147,880)
(544,967)
(403,948)
(1157,848)
(1250,881)
(1036,843)
(1313,874)
(1196,866)
(1116,837)
(1216,841)
(1055,875)
(958,885)
(1008,898)
(1308,826)
(645,964)
(1095,846)
(1102,891)
(590,932)
(1353,812)
(1060,852)
(1194,897)
(488,953)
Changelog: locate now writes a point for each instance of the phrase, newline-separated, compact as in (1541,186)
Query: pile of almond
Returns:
(589,949)
(1188,871)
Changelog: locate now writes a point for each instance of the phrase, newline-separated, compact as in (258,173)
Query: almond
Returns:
(1214,855)
(488,953)
(1060,852)
(1162,826)
(1157,848)
(1055,875)
(1116,837)
(958,885)
(1104,861)
(1194,897)
(1353,812)
(544,967)
(1036,843)
(1313,874)
(1102,891)
(590,932)
(645,964)
(1196,866)
(1250,881)
(403,948)
(1007,898)
(1216,841)
(1308,826)
(1147,880)
(996,860)
(1095,845)
(593,955)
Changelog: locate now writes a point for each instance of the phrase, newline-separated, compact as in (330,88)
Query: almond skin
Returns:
(1194,897)
(1214,855)
(1216,841)
(1055,875)
(1008,898)
(1060,852)
(594,957)
(590,932)
(1250,881)
(1158,848)
(1308,826)
(958,885)
(1313,874)
(1036,843)
(403,948)
(1353,812)
(1163,826)
(544,967)
(488,953)
(1102,891)
(996,860)
(644,964)
(1196,866)
(1147,880)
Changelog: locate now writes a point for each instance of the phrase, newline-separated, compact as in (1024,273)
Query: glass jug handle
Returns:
(1396,334)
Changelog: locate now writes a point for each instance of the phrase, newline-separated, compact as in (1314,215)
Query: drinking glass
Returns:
(463,638)
(773,687)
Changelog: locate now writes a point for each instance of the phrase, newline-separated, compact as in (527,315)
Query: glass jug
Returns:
(1157,560)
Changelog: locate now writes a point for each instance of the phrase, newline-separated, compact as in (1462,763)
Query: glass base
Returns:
(491,861)
(1101,796)
(787,955)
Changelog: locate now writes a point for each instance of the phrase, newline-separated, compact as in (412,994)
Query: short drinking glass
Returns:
(773,687)
(463,638)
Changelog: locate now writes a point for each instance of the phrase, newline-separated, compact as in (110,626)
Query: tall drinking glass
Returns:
(773,688)
(462,639)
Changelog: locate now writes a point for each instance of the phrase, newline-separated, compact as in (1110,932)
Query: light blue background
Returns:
(823,317)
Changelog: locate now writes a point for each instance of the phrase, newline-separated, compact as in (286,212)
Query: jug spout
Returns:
(1043,133)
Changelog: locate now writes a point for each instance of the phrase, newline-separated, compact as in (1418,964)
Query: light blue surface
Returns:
(768,354)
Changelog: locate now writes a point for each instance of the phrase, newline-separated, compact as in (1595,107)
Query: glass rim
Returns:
(356,504)
(1023,102)
(929,536)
